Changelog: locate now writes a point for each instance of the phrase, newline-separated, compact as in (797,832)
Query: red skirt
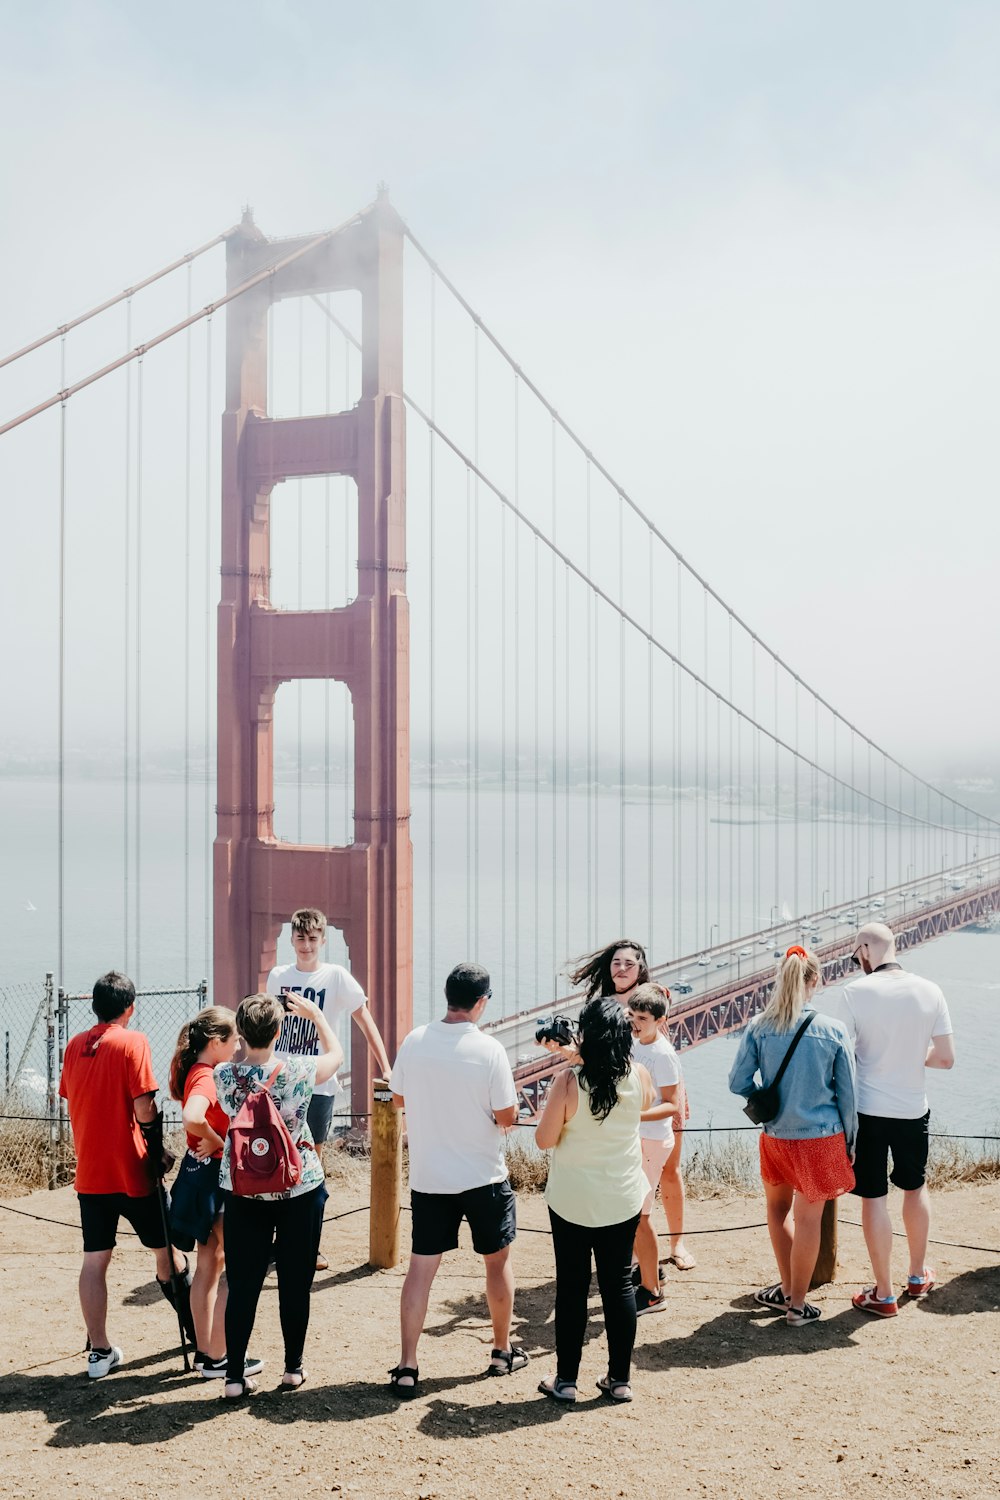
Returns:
(817,1168)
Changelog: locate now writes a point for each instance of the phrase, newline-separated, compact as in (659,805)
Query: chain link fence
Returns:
(36,1022)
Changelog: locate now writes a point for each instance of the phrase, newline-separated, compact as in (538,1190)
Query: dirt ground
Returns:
(729,1400)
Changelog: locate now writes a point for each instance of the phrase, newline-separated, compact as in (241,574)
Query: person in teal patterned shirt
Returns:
(286,1225)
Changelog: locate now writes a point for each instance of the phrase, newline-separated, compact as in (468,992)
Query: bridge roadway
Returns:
(709,1000)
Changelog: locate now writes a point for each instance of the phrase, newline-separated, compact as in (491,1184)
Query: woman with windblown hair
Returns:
(807,1150)
(595,1193)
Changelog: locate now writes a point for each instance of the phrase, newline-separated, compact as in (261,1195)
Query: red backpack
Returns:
(263,1158)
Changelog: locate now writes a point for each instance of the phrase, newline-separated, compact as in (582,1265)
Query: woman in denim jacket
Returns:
(807,1150)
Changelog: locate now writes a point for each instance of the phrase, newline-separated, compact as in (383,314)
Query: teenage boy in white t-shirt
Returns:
(646,1010)
(337,993)
(458,1092)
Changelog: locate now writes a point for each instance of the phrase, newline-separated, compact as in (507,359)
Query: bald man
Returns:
(899,1024)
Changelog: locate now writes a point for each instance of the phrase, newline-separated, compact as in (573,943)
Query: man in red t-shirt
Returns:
(108,1082)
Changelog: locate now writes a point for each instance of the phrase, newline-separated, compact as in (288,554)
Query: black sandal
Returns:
(398,1373)
(286,1386)
(247,1388)
(514,1358)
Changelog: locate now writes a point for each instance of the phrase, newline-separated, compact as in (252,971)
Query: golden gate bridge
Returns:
(361,584)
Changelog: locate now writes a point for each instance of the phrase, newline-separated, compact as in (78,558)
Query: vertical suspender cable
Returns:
(349,594)
(468,710)
(327,407)
(590,729)
(677,803)
(776,908)
(61,828)
(552,693)
(208,902)
(126,688)
(755,771)
(299,565)
(622,699)
(650,839)
(138,669)
(704,800)
(538,729)
(516,1005)
(475,644)
(566,754)
(431,748)
(796,814)
(502,518)
(187,641)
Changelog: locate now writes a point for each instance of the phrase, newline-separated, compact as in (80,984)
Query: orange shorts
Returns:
(817,1168)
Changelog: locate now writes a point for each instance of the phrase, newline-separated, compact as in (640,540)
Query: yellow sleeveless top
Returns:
(595,1172)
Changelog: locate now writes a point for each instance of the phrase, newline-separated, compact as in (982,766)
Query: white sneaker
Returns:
(101,1362)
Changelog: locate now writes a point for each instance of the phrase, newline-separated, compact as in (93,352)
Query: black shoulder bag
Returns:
(763,1104)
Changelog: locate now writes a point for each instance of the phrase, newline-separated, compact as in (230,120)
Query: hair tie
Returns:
(799,952)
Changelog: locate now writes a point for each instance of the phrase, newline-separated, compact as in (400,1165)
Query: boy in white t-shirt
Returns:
(337,993)
(646,1010)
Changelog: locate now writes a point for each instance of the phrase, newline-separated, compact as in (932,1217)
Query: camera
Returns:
(286,993)
(558,1029)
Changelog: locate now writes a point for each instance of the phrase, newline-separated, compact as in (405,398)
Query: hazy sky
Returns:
(750,250)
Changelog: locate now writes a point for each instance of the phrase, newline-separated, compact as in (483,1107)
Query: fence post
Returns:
(51,1091)
(387,1178)
(826,1261)
(62,1037)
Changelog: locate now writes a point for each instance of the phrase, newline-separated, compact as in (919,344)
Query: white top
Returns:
(660,1061)
(891,1017)
(334,990)
(453,1078)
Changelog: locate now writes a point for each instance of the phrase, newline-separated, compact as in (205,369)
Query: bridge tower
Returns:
(366,888)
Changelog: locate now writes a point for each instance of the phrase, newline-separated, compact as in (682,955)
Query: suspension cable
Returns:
(126,295)
(168,333)
(624,496)
(696,678)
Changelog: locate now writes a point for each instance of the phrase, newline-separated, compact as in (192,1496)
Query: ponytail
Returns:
(213,1022)
(798,968)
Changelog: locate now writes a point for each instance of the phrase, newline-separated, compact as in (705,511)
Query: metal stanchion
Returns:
(387,1178)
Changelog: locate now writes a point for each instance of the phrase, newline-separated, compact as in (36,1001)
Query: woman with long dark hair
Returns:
(807,1149)
(618,969)
(595,1193)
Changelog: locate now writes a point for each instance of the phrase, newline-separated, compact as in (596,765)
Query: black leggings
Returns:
(611,1245)
(250,1227)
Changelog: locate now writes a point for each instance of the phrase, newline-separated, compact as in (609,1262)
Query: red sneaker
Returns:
(919,1286)
(882,1307)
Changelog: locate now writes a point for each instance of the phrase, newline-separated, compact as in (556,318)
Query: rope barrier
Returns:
(526,1229)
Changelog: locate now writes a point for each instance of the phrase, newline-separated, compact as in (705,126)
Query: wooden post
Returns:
(387,1178)
(826,1261)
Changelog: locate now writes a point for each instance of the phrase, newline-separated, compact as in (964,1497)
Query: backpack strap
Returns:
(277,1069)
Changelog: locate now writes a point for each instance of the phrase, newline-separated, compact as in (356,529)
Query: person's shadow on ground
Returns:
(973,1292)
(737,1336)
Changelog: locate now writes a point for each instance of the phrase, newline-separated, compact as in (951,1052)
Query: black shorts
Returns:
(491,1212)
(100,1212)
(907,1140)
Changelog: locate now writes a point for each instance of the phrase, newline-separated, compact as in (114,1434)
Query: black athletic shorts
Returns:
(906,1140)
(100,1212)
(491,1212)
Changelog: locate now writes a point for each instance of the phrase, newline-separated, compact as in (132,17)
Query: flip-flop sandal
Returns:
(615,1390)
(559,1390)
(684,1262)
(404,1392)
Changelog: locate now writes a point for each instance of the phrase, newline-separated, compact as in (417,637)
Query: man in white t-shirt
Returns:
(457,1089)
(646,1010)
(337,993)
(899,1024)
